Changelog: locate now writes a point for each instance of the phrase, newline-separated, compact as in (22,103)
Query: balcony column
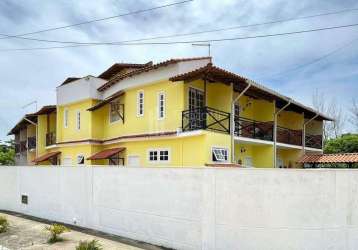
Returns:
(232,118)
(304,133)
(36,129)
(275,132)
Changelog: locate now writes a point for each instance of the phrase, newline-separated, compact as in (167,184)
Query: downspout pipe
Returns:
(232,120)
(35,124)
(275,133)
(304,133)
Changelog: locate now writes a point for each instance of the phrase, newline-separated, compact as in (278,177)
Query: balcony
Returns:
(206,118)
(31,142)
(253,129)
(289,136)
(313,141)
(50,138)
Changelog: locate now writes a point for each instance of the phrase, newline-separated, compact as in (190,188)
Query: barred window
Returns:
(140,103)
(114,111)
(161,105)
(220,154)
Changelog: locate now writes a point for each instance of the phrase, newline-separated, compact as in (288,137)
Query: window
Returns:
(219,154)
(78,120)
(65,118)
(161,105)
(80,159)
(140,103)
(114,114)
(158,155)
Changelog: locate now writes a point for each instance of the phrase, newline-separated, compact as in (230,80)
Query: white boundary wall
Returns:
(195,208)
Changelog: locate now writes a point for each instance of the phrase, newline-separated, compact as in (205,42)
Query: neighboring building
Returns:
(174,113)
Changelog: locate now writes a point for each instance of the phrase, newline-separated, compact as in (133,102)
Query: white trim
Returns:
(109,113)
(141,91)
(252,141)
(51,146)
(78,120)
(191,133)
(161,93)
(284,145)
(65,117)
(158,150)
(219,147)
(314,149)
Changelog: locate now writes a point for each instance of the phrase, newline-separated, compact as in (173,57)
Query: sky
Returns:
(282,63)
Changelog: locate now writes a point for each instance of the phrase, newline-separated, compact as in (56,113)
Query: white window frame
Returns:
(158,150)
(217,154)
(77,157)
(65,117)
(78,120)
(140,106)
(161,94)
(110,112)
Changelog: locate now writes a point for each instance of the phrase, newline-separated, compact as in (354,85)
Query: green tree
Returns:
(7,153)
(345,144)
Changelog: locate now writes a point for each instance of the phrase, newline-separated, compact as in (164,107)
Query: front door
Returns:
(248,162)
(196,103)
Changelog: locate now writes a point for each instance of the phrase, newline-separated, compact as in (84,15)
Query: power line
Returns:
(346,45)
(95,20)
(192,41)
(187,34)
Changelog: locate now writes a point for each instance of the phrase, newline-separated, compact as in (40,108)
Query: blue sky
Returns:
(33,75)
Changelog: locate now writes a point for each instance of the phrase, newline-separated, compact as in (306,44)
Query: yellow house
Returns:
(180,112)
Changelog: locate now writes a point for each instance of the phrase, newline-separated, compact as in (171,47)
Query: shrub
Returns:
(89,245)
(55,230)
(4,224)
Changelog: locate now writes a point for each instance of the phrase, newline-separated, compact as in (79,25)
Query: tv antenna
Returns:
(204,45)
(29,104)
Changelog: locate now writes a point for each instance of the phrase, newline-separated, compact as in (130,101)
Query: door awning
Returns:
(46,157)
(106,154)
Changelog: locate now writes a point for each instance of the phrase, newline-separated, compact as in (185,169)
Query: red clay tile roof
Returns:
(46,157)
(105,154)
(46,110)
(329,158)
(117,67)
(120,77)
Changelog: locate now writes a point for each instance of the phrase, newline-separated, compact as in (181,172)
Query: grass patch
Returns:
(55,231)
(4,224)
(89,245)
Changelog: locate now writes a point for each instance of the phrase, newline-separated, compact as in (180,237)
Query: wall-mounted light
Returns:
(242,150)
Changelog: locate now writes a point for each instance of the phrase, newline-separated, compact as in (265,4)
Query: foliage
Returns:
(89,245)
(55,230)
(345,144)
(4,224)
(7,153)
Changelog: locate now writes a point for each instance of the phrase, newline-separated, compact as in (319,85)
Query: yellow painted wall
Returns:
(75,150)
(255,109)
(262,155)
(41,136)
(291,120)
(314,128)
(149,122)
(289,157)
(71,133)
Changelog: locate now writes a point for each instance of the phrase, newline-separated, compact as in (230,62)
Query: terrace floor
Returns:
(27,233)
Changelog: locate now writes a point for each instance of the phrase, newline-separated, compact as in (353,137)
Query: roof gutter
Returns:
(232,120)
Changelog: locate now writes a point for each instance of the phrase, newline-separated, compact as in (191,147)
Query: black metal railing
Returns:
(50,138)
(254,129)
(313,141)
(289,136)
(206,118)
(31,142)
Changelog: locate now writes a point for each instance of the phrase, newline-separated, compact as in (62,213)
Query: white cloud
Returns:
(33,75)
